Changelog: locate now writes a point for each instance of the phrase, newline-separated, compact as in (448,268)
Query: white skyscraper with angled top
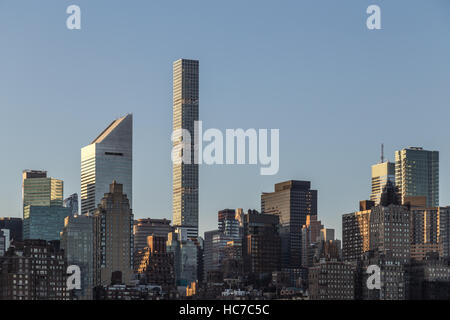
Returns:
(109,157)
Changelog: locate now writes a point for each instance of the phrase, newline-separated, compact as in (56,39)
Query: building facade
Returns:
(292,202)
(381,174)
(109,157)
(143,228)
(417,174)
(186,175)
(77,241)
(113,237)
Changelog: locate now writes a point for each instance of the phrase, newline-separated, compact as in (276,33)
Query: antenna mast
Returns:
(382,153)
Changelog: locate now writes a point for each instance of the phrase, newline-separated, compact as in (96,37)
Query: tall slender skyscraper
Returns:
(109,157)
(417,174)
(185,176)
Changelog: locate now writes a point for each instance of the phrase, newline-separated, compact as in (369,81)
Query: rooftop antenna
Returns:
(382,153)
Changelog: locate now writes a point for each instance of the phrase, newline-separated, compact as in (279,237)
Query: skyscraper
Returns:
(185,176)
(113,237)
(381,174)
(40,190)
(72,203)
(417,174)
(292,201)
(77,240)
(109,157)
(43,211)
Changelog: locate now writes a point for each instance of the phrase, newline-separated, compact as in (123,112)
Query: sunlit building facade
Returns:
(107,158)
(417,174)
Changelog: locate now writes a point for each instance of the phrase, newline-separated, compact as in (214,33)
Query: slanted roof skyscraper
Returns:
(109,157)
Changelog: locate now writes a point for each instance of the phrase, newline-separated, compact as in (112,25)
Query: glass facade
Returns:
(417,174)
(107,158)
(44,222)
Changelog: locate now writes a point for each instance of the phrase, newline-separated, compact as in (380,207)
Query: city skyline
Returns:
(235,94)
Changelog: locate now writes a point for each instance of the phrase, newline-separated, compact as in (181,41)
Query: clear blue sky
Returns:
(311,68)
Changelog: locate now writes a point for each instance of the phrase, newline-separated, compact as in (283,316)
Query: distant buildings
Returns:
(113,237)
(77,241)
(109,157)
(33,270)
(14,225)
(417,174)
(43,211)
(185,175)
(72,203)
(143,228)
(154,265)
(292,202)
(186,257)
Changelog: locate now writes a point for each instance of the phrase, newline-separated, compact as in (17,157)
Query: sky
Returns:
(309,68)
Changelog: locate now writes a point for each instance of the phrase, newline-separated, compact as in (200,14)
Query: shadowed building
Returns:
(292,202)
(113,237)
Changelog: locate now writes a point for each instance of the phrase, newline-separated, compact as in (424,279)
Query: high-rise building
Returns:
(186,256)
(355,235)
(381,174)
(417,174)
(310,237)
(109,157)
(72,203)
(43,211)
(430,232)
(44,222)
(40,190)
(261,244)
(292,202)
(33,270)
(389,232)
(4,241)
(185,175)
(113,237)
(14,225)
(143,228)
(77,239)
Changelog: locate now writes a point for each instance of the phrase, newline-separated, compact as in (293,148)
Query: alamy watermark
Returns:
(191,150)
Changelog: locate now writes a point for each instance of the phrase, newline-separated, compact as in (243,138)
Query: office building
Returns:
(355,235)
(186,175)
(40,190)
(109,157)
(14,225)
(417,174)
(292,202)
(381,174)
(261,245)
(143,228)
(310,237)
(77,240)
(72,203)
(113,237)
(42,222)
